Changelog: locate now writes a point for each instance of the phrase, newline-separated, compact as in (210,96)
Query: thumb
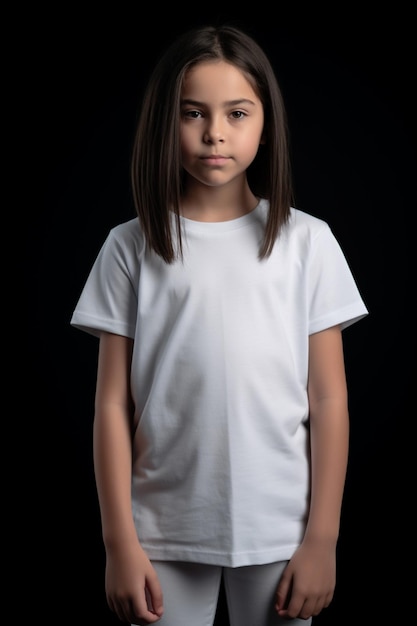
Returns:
(154,597)
(283,592)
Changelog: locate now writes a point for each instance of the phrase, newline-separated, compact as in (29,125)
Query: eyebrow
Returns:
(231,103)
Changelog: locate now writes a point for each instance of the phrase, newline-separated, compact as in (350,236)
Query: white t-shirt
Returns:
(219,376)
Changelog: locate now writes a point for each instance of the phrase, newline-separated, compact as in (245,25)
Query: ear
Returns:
(263,139)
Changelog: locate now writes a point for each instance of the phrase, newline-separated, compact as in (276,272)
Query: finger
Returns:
(294,605)
(147,606)
(154,597)
(283,593)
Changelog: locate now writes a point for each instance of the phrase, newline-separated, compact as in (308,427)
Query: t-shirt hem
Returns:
(221,559)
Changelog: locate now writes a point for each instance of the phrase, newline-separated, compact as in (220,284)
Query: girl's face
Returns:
(221,124)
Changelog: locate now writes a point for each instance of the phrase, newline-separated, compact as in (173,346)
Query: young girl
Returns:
(221,414)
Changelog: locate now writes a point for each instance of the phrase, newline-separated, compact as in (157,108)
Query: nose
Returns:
(213,132)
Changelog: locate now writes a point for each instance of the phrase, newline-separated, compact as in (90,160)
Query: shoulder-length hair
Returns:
(156,170)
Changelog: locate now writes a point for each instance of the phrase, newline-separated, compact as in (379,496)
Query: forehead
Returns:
(209,78)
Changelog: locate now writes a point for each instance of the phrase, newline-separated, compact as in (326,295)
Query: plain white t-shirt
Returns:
(219,376)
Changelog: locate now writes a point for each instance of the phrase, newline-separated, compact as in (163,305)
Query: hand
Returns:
(307,584)
(132,586)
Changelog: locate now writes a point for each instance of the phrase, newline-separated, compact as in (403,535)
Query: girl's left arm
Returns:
(308,583)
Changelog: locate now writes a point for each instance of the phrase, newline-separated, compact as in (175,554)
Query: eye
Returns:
(238,115)
(193,114)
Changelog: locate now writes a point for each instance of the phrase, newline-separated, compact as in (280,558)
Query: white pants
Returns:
(191,593)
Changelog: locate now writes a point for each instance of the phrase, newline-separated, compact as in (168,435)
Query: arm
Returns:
(308,582)
(130,576)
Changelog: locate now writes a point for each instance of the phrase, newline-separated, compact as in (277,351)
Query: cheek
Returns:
(186,143)
(252,146)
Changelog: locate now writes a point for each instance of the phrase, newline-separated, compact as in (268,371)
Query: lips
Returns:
(215,159)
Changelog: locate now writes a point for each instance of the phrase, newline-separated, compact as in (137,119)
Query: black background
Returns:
(348,82)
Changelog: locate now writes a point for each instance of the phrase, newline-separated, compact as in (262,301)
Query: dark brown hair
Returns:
(156,171)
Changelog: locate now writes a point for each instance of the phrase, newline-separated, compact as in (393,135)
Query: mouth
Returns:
(215,159)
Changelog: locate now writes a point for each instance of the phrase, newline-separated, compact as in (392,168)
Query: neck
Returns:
(217,204)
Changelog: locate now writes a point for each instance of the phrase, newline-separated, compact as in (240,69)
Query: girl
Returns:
(221,414)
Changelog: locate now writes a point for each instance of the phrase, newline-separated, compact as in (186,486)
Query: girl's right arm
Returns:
(132,587)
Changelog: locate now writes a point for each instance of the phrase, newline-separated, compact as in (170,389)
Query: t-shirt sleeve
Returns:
(334,297)
(108,301)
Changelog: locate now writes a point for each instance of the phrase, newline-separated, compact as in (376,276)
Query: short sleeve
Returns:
(334,297)
(108,301)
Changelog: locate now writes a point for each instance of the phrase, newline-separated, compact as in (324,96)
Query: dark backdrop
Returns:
(348,84)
